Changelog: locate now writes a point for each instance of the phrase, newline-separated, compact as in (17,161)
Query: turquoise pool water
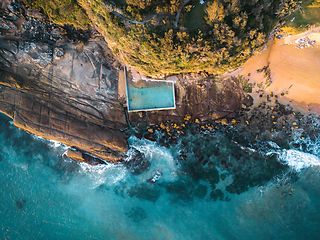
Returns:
(154,96)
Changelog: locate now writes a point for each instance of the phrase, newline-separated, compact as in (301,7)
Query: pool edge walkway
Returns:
(149,80)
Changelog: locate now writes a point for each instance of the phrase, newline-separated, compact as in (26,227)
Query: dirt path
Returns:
(178,14)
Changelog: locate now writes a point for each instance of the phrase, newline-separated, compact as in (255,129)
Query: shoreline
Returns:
(295,73)
(76,95)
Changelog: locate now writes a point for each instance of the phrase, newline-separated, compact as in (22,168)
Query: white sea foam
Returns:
(299,160)
(163,166)
(38,137)
(100,169)
(55,144)
(273,145)
(51,143)
(109,173)
(160,158)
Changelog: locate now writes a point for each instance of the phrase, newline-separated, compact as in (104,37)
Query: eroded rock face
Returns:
(59,89)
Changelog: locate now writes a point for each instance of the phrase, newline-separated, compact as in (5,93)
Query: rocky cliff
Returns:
(60,88)
(61,84)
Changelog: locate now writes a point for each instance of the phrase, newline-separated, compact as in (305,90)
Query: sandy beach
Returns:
(295,73)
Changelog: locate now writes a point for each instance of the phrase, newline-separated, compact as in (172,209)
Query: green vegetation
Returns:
(315,3)
(215,37)
(246,86)
(62,11)
(308,14)
(162,37)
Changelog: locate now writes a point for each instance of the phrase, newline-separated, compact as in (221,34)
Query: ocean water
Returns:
(221,190)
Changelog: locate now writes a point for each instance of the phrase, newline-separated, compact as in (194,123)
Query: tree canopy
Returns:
(173,36)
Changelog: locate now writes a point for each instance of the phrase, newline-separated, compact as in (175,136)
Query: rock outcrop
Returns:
(60,89)
(62,84)
(204,98)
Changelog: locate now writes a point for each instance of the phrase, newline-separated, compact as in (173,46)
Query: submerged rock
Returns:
(216,194)
(136,162)
(200,191)
(20,203)
(137,214)
(145,191)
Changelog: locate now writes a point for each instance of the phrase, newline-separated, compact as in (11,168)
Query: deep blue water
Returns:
(44,195)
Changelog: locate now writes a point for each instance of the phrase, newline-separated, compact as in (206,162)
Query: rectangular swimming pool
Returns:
(150,95)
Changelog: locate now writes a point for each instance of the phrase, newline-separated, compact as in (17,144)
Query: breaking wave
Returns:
(299,160)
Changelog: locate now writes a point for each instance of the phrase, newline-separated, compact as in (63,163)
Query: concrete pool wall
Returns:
(150,95)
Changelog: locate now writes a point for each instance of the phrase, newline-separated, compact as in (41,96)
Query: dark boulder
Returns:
(136,162)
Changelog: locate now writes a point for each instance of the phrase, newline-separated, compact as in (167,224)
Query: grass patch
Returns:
(195,19)
(308,14)
(246,86)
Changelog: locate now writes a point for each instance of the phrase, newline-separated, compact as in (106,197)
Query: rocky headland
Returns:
(55,86)
(62,84)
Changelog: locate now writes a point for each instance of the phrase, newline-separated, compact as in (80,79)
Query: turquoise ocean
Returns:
(221,190)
